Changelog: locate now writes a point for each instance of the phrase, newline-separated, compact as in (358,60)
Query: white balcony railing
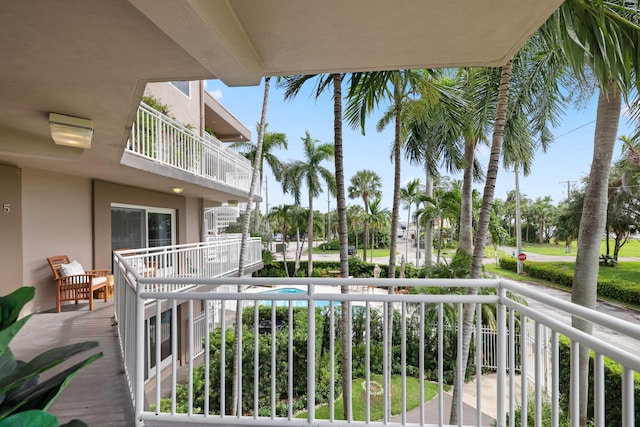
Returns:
(161,139)
(421,321)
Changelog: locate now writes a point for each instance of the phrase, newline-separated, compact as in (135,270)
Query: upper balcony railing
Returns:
(157,137)
(289,354)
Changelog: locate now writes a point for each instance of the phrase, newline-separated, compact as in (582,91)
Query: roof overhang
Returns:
(92,59)
(227,127)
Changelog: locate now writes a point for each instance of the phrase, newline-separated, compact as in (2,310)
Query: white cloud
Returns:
(216,93)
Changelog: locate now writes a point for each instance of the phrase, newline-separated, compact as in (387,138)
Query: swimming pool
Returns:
(294,303)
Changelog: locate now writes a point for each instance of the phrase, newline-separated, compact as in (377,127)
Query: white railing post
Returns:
(189,290)
(628,397)
(502,356)
(139,339)
(179,147)
(311,357)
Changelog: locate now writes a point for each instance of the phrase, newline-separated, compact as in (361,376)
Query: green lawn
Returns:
(625,270)
(377,404)
(630,249)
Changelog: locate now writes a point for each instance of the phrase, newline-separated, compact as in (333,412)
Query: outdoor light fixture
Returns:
(71,131)
(177,190)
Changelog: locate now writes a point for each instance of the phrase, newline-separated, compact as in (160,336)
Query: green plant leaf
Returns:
(30,419)
(7,334)
(43,362)
(7,366)
(10,305)
(42,395)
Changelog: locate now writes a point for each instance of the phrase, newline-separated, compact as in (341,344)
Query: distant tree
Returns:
(355,218)
(310,174)
(366,184)
(271,141)
(567,220)
(280,215)
(378,219)
(409,197)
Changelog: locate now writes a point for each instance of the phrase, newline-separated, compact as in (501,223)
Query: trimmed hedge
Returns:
(357,268)
(618,289)
(612,384)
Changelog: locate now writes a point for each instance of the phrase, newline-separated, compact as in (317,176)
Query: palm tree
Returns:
(433,138)
(523,109)
(378,218)
(629,165)
(236,399)
(408,195)
(604,36)
(270,141)
(367,90)
(310,173)
(444,206)
(281,215)
(355,217)
(365,184)
(293,85)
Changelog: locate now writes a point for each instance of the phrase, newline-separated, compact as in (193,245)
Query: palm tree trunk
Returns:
(592,223)
(397,159)
(256,218)
(466,217)
(343,238)
(284,248)
(343,230)
(483,227)
(310,238)
(406,245)
(440,239)
(417,239)
(235,395)
(366,229)
(428,228)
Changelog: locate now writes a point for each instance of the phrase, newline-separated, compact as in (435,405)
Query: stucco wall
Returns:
(57,220)
(106,193)
(69,215)
(10,228)
(186,110)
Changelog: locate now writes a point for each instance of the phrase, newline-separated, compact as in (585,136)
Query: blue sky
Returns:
(567,159)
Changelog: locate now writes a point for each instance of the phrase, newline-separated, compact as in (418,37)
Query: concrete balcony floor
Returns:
(98,395)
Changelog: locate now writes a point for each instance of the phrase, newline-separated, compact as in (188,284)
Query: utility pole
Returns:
(568,186)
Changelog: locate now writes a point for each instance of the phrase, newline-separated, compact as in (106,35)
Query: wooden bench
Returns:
(77,286)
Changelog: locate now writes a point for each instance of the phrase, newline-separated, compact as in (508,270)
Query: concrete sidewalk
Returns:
(469,414)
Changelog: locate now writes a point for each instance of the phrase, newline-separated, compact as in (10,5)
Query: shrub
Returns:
(612,384)
(617,289)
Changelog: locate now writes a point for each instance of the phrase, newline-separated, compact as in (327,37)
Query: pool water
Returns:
(294,303)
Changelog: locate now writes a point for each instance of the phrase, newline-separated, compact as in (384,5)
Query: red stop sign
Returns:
(522,256)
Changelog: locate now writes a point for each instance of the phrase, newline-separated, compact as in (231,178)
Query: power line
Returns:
(575,129)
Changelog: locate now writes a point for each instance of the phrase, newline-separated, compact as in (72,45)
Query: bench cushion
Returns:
(72,269)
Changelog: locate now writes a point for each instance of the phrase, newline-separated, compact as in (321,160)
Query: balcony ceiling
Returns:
(92,58)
